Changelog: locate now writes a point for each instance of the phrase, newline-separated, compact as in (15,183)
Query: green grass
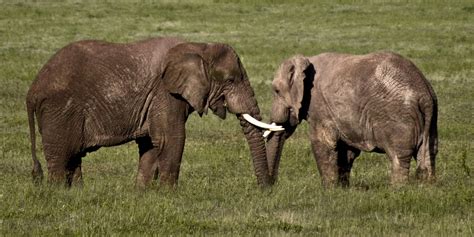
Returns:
(217,192)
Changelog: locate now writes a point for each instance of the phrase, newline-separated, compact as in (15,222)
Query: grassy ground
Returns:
(217,191)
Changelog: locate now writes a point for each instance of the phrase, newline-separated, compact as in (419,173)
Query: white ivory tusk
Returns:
(271,127)
(266,133)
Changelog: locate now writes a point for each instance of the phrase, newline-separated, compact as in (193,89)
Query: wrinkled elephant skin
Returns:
(378,102)
(92,94)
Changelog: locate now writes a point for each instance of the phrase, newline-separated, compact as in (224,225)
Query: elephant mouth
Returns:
(293,120)
(219,107)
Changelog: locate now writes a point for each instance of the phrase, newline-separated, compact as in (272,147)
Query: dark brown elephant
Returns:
(92,94)
(378,102)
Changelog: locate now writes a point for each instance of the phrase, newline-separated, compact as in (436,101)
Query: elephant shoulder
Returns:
(326,60)
(86,47)
(329,62)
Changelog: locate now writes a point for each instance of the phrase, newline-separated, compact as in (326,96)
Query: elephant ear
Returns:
(187,75)
(297,81)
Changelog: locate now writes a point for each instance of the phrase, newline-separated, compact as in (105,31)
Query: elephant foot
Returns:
(400,169)
(344,180)
(329,182)
(425,175)
(399,177)
(142,182)
(58,179)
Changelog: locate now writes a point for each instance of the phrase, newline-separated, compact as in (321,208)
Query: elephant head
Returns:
(211,76)
(291,88)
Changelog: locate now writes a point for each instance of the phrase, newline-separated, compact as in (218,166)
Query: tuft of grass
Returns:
(217,192)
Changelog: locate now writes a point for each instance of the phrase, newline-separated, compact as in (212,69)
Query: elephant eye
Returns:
(230,79)
(275,88)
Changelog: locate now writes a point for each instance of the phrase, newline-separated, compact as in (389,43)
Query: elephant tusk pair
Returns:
(269,127)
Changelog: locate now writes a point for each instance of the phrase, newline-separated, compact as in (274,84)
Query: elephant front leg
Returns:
(169,161)
(167,133)
(346,157)
(148,163)
(161,158)
(326,155)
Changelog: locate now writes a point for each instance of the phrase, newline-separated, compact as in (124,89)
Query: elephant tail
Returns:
(37,170)
(429,146)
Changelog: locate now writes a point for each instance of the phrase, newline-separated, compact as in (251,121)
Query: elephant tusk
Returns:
(271,127)
(266,133)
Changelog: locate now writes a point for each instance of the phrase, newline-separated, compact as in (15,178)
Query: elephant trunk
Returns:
(257,150)
(275,144)
(274,148)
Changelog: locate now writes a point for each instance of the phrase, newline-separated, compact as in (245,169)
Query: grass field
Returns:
(217,193)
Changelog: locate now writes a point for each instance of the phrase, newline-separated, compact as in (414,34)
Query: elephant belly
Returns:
(381,134)
(106,131)
(358,137)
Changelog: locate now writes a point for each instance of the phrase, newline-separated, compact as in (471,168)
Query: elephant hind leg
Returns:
(63,165)
(74,171)
(62,143)
(400,165)
(56,168)
(400,145)
(345,159)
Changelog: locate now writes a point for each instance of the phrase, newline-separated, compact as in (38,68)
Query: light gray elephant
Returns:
(92,94)
(379,102)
